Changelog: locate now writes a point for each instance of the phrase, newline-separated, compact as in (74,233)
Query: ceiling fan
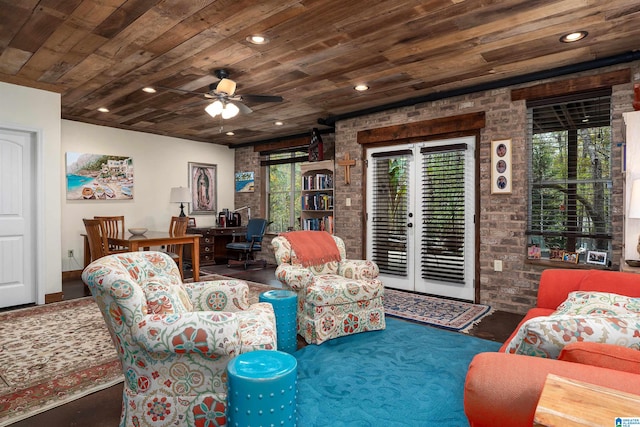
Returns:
(227,103)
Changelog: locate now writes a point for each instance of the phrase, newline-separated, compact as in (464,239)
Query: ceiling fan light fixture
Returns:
(214,108)
(226,86)
(573,37)
(230,111)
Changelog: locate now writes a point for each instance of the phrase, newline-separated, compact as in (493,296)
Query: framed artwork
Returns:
(203,182)
(245,182)
(599,258)
(571,257)
(501,166)
(98,177)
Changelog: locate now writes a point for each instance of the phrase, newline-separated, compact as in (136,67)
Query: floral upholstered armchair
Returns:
(174,340)
(335,298)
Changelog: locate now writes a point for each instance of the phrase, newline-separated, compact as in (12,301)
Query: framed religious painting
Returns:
(501,166)
(202,184)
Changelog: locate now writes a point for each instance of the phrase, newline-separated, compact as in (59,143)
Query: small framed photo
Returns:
(571,257)
(191,222)
(533,252)
(501,166)
(599,258)
(555,254)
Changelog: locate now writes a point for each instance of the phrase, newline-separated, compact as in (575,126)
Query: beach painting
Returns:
(244,182)
(99,177)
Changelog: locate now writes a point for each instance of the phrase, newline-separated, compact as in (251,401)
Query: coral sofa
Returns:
(175,339)
(503,388)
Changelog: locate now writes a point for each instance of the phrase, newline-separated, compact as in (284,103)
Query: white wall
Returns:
(631,226)
(159,163)
(39,111)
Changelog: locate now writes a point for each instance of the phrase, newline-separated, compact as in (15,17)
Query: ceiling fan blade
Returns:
(261,98)
(243,108)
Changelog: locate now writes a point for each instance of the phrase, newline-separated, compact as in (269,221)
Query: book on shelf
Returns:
(324,223)
(319,181)
(317,202)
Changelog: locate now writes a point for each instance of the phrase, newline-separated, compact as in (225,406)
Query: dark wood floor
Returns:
(102,409)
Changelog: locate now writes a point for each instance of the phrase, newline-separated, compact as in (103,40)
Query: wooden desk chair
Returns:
(177,227)
(98,244)
(112,226)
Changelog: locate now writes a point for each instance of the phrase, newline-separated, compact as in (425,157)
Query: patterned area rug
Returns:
(55,353)
(443,313)
(51,355)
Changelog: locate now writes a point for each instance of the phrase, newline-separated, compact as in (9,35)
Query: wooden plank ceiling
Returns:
(101,53)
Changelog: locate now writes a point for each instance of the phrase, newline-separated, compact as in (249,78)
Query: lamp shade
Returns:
(634,200)
(214,108)
(230,110)
(180,195)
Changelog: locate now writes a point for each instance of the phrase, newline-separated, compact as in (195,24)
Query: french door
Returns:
(421,216)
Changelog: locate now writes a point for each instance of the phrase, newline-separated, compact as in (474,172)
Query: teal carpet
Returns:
(406,375)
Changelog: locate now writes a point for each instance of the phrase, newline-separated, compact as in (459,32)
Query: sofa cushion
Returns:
(164,297)
(599,304)
(602,355)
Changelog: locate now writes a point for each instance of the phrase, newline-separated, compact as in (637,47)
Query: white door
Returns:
(421,216)
(17,218)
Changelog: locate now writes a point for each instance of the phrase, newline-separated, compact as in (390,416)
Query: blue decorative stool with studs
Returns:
(285,306)
(262,389)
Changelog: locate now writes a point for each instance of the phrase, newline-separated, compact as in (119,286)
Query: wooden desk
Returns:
(571,403)
(154,238)
(213,244)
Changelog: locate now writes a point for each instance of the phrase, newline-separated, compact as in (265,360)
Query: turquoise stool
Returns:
(262,389)
(285,305)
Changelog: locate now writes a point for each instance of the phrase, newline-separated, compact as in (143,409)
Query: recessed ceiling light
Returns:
(149,89)
(230,133)
(361,87)
(257,39)
(573,37)
(103,110)
(278,123)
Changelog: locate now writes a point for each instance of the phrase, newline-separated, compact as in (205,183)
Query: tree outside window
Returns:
(570,183)
(283,192)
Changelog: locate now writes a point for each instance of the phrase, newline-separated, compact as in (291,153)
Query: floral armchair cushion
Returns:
(584,317)
(174,340)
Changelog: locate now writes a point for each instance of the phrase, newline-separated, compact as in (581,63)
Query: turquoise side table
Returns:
(262,389)
(285,305)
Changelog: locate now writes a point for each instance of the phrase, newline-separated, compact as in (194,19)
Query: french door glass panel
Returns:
(421,206)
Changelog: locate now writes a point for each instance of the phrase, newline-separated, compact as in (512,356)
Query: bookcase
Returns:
(317,196)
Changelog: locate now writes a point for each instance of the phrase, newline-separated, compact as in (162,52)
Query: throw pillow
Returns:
(164,297)
(598,304)
(546,336)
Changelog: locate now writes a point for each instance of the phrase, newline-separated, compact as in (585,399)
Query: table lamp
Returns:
(180,195)
(634,205)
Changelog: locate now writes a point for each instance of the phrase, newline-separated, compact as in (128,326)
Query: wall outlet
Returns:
(70,253)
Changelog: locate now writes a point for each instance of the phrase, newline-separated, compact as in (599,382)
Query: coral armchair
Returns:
(174,340)
(335,298)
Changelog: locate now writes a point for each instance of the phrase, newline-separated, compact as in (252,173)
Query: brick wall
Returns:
(502,217)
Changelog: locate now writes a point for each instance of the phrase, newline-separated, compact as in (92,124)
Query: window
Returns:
(283,190)
(570,182)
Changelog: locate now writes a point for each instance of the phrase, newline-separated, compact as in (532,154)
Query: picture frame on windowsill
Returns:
(597,258)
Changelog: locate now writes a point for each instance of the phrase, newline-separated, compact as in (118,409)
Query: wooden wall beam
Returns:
(426,128)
